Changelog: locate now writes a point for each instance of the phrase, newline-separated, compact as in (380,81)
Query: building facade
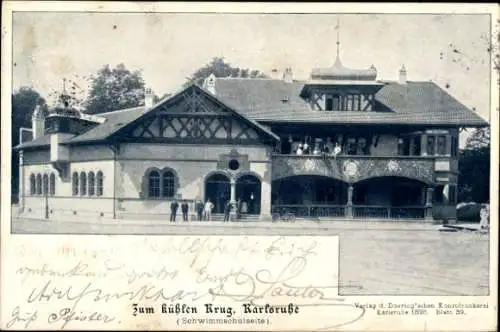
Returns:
(340,145)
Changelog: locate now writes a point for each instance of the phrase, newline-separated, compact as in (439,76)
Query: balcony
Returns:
(352,169)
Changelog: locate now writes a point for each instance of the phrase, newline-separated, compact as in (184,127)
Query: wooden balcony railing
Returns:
(314,211)
(359,211)
(389,212)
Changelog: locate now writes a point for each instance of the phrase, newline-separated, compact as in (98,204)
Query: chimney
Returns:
(288,75)
(402,75)
(148,98)
(38,122)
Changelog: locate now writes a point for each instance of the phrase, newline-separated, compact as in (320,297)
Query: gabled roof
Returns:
(118,120)
(273,100)
(114,122)
(207,94)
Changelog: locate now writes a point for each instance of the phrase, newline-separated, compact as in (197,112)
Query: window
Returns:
(357,102)
(351,147)
(168,184)
(75,184)
(335,102)
(329,103)
(409,145)
(362,150)
(154,184)
(45,184)
(100,183)
(415,145)
(401,143)
(431,148)
(32,184)
(441,145)
(83,184)
(91,184)
(161,184)
(52,185)
(349,100)
(38,184)
(234,164)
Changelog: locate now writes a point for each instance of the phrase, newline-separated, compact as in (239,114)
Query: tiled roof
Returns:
(114,121)
(36,143)
(118,119)
(268,100)
(271,100)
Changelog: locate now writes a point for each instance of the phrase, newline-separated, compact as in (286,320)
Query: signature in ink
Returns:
(67,315)
(244,287)
(17,317)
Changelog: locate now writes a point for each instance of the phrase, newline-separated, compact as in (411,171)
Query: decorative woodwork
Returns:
(193,117)
(353,169)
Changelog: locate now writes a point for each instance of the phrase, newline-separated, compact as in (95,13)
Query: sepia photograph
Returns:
(367,133)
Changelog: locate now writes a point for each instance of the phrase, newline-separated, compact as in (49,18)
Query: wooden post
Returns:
(349,208)
(448,146)
(423,145)
(428,203)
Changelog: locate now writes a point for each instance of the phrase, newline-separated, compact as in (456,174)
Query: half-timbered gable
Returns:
(194,116)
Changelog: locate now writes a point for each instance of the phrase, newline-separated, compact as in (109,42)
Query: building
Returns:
(340,145)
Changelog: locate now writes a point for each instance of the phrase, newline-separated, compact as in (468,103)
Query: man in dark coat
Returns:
(227,210)
(184,209)
(199,210)
(173,210)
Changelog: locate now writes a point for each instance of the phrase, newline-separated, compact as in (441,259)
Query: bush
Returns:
(469,212)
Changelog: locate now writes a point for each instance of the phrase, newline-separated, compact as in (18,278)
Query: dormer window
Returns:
(347,102)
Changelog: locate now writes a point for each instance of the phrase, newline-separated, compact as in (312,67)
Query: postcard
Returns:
(249,166)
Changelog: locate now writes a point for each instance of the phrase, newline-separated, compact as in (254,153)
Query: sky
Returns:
(450,50)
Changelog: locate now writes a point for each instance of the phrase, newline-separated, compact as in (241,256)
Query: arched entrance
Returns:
(389,197)
(248,191)
(309,196)
(218,190)
(309,189)
(390,191)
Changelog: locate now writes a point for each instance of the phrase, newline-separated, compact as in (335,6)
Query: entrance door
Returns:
(218,190)
(248,191)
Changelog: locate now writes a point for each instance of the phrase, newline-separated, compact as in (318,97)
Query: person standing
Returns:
(227,210)
(173,210)
(208,210)
(184,209)
(238,208)
(336,150)
(199,210)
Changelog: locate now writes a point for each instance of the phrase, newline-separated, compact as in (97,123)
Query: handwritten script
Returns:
(81,287)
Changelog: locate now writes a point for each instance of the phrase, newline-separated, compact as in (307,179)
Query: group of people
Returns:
(303,149)
(203,210)
(174,206)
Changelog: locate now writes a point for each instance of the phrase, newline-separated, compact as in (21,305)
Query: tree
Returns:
(24,102)
(479,139)
(114,89)
(474,168)
(220,68)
